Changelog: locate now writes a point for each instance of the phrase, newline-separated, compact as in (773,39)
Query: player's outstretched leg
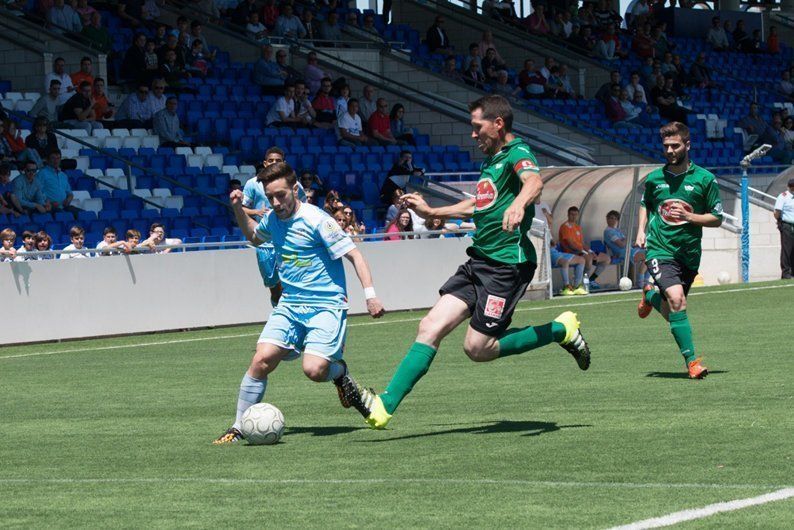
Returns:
(651,299)
(564,330)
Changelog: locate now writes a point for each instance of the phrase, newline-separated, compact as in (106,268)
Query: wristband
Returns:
(369,293)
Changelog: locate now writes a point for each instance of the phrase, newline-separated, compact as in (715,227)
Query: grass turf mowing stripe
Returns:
(708,511)
(376,323)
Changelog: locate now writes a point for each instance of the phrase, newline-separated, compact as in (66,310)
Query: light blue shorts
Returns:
(304,329)
(266,257)
(556,255)
(622,255)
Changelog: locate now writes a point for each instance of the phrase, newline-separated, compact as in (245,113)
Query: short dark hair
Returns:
(54,82)
(613,213)
(54,152)
(155,226)
(674,128)
(5,168)
(28,233)
(169,98)
(98,79)
(58,59)
(76,231)
(573,209)
(195,24)
(84,59)
(351,101)
(275,150)
(494,107)
(473,45)
(109,230)
(274,172)
(85,84)
(235,182)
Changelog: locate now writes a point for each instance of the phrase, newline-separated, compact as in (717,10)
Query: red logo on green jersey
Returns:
(486,194)
(664,211)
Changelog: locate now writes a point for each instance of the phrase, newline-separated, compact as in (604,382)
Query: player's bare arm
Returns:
(643,218)
(531,187)
(246,224)
(254,213)
(462,210)
(374,305)
(701,219)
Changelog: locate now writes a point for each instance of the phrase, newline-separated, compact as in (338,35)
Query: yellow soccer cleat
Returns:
(568,291)
(378,417)
(574,342)
(579,291)
(365,401)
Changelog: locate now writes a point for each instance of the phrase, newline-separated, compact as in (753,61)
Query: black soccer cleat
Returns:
(339,382)
(229,437)
(356,396)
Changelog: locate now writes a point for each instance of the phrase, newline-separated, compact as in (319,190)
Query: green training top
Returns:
(667,238)
(497,188)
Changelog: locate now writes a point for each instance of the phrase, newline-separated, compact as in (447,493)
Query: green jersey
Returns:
(497,188)
(666,238)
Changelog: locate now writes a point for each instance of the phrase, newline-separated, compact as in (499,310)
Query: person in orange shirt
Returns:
(85,73)
(572,241)
(104,109)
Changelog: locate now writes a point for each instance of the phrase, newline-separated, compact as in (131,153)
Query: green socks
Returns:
(519,340)
(415,365)
(655,299)
(682,332)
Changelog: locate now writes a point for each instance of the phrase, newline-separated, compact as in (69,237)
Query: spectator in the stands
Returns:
(608,46)
(369,25)
(110,245)
(487,42)
(349,129)
(559,27)
(536,22)
(548,64)
(605,90)
(555,87)
(40,139)
(172,71)
(172,44)
(63,18)
(77,238)
(160,35)
(97,35)
(166,125)
(753,44)
(566,81)
(667,66)
(137,107)
(152,59)
(526,73)
(614,110)
(499,10)
(311,26)
(351,19)
(740,36)
(197,33)
(197,64)
(85,73)
(332,203)
(781,151)
(450,69)
(436,38)
(755,124)
(104,109)
(640,12)
(55,184)
(634,87)
(785,87)
(28,245)
(330,29)
(586,15)
(367,104)
(13,147)
(341,102)
(312,185)
(788,132)
(131,12)
(268,74)
(491,65)
(132,239)
(716,36)
(47,105)
(354,227)
(270,14)
(29,192)
(402,222)
(402,166)
(313,74)
(700,73)
(582,39)
(7,251)
(637,111)
(502,87)
(289,25)
(664,97)
(243,11)
(473,57)
(78,111)
(157,97)
(605,15)
(643,44)
(157,239)
(773,41)
(84,10)
(9,204)
(324,104)
(303,107)
(133,68)
(43,243)
(282,113)
(59,73)
(535,84)
(150,12)
(398,128)
(474,76)
(255,29)
(281,61)
(379,125)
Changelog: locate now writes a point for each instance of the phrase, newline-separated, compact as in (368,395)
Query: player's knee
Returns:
(316,372)
(260,365)
(677,302)
(477,352)
(429,327)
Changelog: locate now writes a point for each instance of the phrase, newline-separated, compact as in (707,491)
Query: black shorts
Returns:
(667,273)
(491,290)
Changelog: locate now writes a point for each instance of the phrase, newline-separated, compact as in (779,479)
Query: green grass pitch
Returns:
(116,432)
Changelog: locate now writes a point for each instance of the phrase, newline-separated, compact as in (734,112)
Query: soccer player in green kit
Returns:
(679,200)
(489,285)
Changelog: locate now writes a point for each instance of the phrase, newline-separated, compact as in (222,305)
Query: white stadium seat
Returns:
(113,142)
(139,133)
(121,132)
(69,152)
(152,141)
(161,192)
(132,142)
(101,133)
(195,161)
(114,172)
(93,173)
(92,205)
(230,170)
(248,170)
(185,151)
(82,162)
(203,150)
(24,105)
(32,95)
(173,202)
(81,195)
(214,161)
(14,96)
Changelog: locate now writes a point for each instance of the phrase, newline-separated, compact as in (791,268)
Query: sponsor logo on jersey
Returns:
(331,230)
(486,194)
(525,164)
(500,165)
(662,186)
(494,306)
(664,211)
(689,187)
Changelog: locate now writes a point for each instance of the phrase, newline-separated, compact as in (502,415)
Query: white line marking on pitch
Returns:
(361,324)
(708,511)
(506,482)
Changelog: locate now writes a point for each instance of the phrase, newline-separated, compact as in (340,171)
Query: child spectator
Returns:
(255,29)
(8,202)
(198,63)
(109,243)
(7,251)
(342,101)
(133,238)
(43,244)
(77,236)
(152,61)
(28,245)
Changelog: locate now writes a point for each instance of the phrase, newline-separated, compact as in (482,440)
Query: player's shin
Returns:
(578,272)
(413,367)
(519,340)
(566,278)
(335,371)
(653,297)
(251,392)
(682,332)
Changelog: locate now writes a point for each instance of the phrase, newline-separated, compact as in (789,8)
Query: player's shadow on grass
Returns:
(322,431)
(680,375)
(526,428)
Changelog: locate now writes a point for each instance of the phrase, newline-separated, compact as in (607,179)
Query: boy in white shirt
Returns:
(7,251)
(77,235)
(28,245)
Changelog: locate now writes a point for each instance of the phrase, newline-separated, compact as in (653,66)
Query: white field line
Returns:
(708,511)
(362,324)
(386,481)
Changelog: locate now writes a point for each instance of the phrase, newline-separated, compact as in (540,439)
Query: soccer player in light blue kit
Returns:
(311,317)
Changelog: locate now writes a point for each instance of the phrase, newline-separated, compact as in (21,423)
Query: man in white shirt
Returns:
(634,87)
(348,126)
(59,73)
(157,239)
(157,97)
(282,113)
(784,214)
(717,37)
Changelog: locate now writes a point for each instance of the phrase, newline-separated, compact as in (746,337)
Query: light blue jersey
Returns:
(254,196)
(309,247)
(611,237)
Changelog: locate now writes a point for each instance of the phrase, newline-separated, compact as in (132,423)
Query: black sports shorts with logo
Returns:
(668,272)
(491,290)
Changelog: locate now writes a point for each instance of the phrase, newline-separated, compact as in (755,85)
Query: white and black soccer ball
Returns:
(262,424)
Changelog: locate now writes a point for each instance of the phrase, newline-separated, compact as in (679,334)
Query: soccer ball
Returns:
(723,278)
(625,284)
(262,424)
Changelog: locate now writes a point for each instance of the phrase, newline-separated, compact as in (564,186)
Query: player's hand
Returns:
(375,308)
(640,241)
(678,213)
(512,217)
(236,198)
(415,202)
